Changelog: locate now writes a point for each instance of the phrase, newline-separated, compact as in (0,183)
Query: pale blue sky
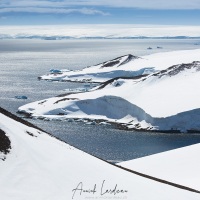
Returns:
(36,12)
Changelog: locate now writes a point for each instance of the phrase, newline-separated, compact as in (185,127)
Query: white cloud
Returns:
(74,6)
(46,6)
(86,11)
(150,4)
(144,4)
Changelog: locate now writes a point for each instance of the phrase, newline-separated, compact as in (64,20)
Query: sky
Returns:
(58,12)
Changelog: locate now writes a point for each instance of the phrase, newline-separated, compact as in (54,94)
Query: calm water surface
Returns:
(22,61)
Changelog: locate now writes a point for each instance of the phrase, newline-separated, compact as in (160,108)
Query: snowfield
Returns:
(166,98)
(38,166)
(179,166)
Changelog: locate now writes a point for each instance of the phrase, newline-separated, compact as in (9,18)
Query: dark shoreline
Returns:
(120,126)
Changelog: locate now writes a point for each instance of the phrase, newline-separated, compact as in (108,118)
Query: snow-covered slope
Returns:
(125,66)
(98,73)
(179,166)
(165,100)
(38,166)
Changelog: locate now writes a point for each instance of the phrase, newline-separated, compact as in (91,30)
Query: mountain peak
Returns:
(119,61)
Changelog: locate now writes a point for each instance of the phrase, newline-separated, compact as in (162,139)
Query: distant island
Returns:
(101,31)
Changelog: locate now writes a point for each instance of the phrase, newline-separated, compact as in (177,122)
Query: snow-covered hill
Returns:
(179,166)
(164,100)
(97,73)
(38,166)
(124,66)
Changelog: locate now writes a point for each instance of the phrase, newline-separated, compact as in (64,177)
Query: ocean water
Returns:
(22,61)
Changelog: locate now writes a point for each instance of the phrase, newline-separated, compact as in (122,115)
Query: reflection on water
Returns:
(112,144)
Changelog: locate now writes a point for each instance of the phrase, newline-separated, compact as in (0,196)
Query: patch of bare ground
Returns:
(5,144)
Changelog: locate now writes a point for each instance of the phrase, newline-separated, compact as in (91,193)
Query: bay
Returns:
(22,61)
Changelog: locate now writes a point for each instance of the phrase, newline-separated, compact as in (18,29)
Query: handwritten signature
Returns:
(79,189)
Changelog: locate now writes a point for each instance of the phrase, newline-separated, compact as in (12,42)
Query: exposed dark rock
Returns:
(176,69)
(67,94)
(5,144)
(60,114)
(111,64)
(116,61)
(130,57)
(104,84)
(40,103)
(65,99)
(31,134)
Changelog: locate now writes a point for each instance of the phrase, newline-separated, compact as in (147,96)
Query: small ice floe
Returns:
(91,123)
(104,123)
(81,120)
(21,97)
(149,70)
(55,71)
(87,86)
(70,120)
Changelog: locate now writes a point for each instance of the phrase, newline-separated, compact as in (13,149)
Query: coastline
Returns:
(124,100)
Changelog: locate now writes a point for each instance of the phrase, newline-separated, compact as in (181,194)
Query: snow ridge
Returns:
(174,70)
(120,61)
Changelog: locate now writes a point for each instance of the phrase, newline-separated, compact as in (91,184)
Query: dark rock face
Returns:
(111,64)
(5,144)
(104,84)
(65,99)
(116,61)
(176,69)
(130,57)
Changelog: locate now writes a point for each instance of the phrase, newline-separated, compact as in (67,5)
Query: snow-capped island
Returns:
(155,92)
(35,165)
(98,73)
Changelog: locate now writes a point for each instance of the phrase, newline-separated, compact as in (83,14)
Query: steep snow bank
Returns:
(179,166)
(41,167)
